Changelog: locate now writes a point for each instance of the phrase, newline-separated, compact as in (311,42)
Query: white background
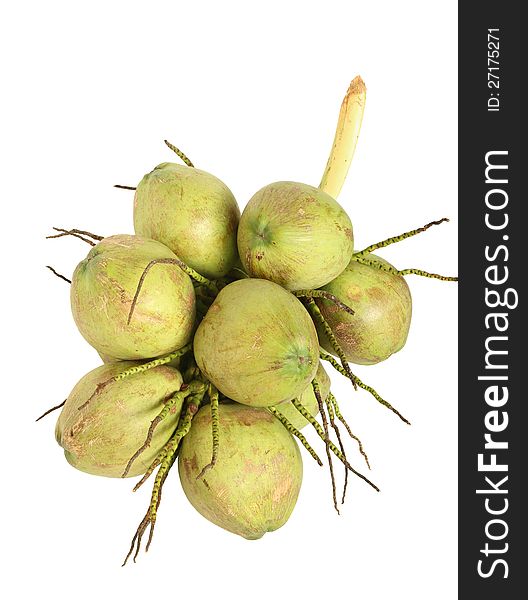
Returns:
(250,91)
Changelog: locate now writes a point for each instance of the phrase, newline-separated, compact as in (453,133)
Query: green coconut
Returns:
(101,437)
(254,485)
(382,312)
(102,290)
(193,213)
(257,343)
(295,235)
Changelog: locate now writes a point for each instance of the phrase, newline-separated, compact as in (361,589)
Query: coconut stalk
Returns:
(346,137)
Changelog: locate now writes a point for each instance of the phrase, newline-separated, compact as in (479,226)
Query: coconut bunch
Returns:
(213,327)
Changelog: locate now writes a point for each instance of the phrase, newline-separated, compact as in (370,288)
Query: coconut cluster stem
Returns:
(169,261)
(333,402)
(389,269)
(329,358)
(195,387)
(294,431)
(151,514)
(345,139)
(398,238)
(318,316)
(85,236)
(176,150)
(167,448)
(320,431)
(179,153)
(169,452)
(333,424)
(215,430)
(138,369)
(326,295)
(58,274)
(50,410)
